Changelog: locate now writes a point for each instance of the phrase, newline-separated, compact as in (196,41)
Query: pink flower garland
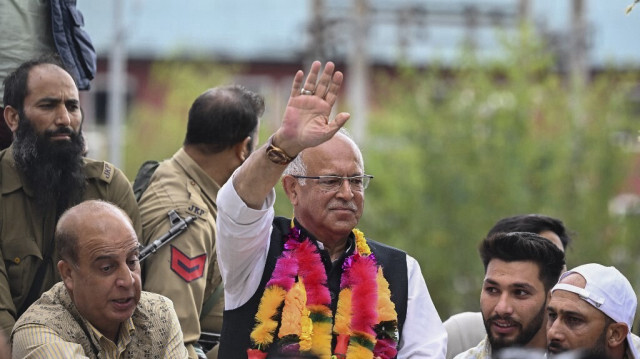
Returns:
(300,260)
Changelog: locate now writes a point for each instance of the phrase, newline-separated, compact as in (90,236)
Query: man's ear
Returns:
(11,117)
(616,334)
(242,149)
(66,270)
(291,188)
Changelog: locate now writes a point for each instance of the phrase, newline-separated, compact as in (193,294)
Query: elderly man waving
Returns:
(294,285)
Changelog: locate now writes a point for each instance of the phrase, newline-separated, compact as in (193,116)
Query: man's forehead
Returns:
(564,300)
(553,237)
(106,231)
(105,246)
(41,70)
(567,302)
(339,148)
(523,272)
(46,74)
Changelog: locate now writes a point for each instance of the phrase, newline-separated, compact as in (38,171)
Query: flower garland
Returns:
(297,295)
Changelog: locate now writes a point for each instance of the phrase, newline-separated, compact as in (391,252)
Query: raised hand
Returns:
(305,124)
(306,120)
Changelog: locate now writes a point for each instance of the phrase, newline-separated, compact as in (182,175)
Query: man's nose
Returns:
(345,190)
(554,331)
(63,118)
(126,277)
(504,305)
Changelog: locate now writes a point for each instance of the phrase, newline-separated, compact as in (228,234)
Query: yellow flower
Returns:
(361,244)
(295,303)
(321,345)
(307,333)
(357,351)
(386,308)
(262,333)
(343,313)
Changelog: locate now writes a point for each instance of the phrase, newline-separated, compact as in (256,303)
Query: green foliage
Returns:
(453,151)
(156,129)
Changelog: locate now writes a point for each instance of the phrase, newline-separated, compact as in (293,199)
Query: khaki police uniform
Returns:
(185,269)
(26,231)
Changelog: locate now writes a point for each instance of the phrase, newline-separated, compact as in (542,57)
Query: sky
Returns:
(277,29)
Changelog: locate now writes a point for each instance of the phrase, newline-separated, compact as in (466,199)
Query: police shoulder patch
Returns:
(196,210)
(187,268)
(107,172)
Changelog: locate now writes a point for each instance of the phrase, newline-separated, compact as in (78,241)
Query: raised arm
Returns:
(305,124)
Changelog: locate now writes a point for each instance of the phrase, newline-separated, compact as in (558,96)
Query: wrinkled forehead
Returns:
(111,236)
(110,244)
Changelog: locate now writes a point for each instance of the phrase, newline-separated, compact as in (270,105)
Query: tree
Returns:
(156,131)
(455,149)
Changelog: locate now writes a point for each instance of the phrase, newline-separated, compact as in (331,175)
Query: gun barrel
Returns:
(173,232)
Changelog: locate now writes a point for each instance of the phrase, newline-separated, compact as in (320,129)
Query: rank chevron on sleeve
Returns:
(187,268)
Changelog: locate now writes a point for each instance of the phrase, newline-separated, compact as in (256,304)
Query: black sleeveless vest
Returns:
(238,323)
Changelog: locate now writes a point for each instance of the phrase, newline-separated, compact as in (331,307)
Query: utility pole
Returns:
(471,24)
(317,32)
(117,88)
(524,11)
(578,52)
(358,67)
(578,62)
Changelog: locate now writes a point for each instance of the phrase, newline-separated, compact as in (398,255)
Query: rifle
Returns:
(178,225)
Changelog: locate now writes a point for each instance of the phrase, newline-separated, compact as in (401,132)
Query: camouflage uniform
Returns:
(185,269)
(26,231)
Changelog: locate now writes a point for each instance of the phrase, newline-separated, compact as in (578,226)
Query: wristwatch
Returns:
(277,155)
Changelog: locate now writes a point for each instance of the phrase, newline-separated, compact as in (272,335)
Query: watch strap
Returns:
(276,154)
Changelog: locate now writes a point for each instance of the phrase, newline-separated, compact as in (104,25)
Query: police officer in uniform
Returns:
(43,173)
(221,132)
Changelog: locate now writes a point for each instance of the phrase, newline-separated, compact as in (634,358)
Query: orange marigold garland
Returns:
(387,327)
(294,311)
(297,296)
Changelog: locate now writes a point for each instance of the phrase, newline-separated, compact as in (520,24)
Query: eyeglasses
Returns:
(332,183)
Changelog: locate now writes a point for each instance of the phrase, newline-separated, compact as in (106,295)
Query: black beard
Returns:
(523,338)
(599,350)
(53,169)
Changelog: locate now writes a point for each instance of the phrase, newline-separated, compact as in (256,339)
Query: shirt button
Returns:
(16,260)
